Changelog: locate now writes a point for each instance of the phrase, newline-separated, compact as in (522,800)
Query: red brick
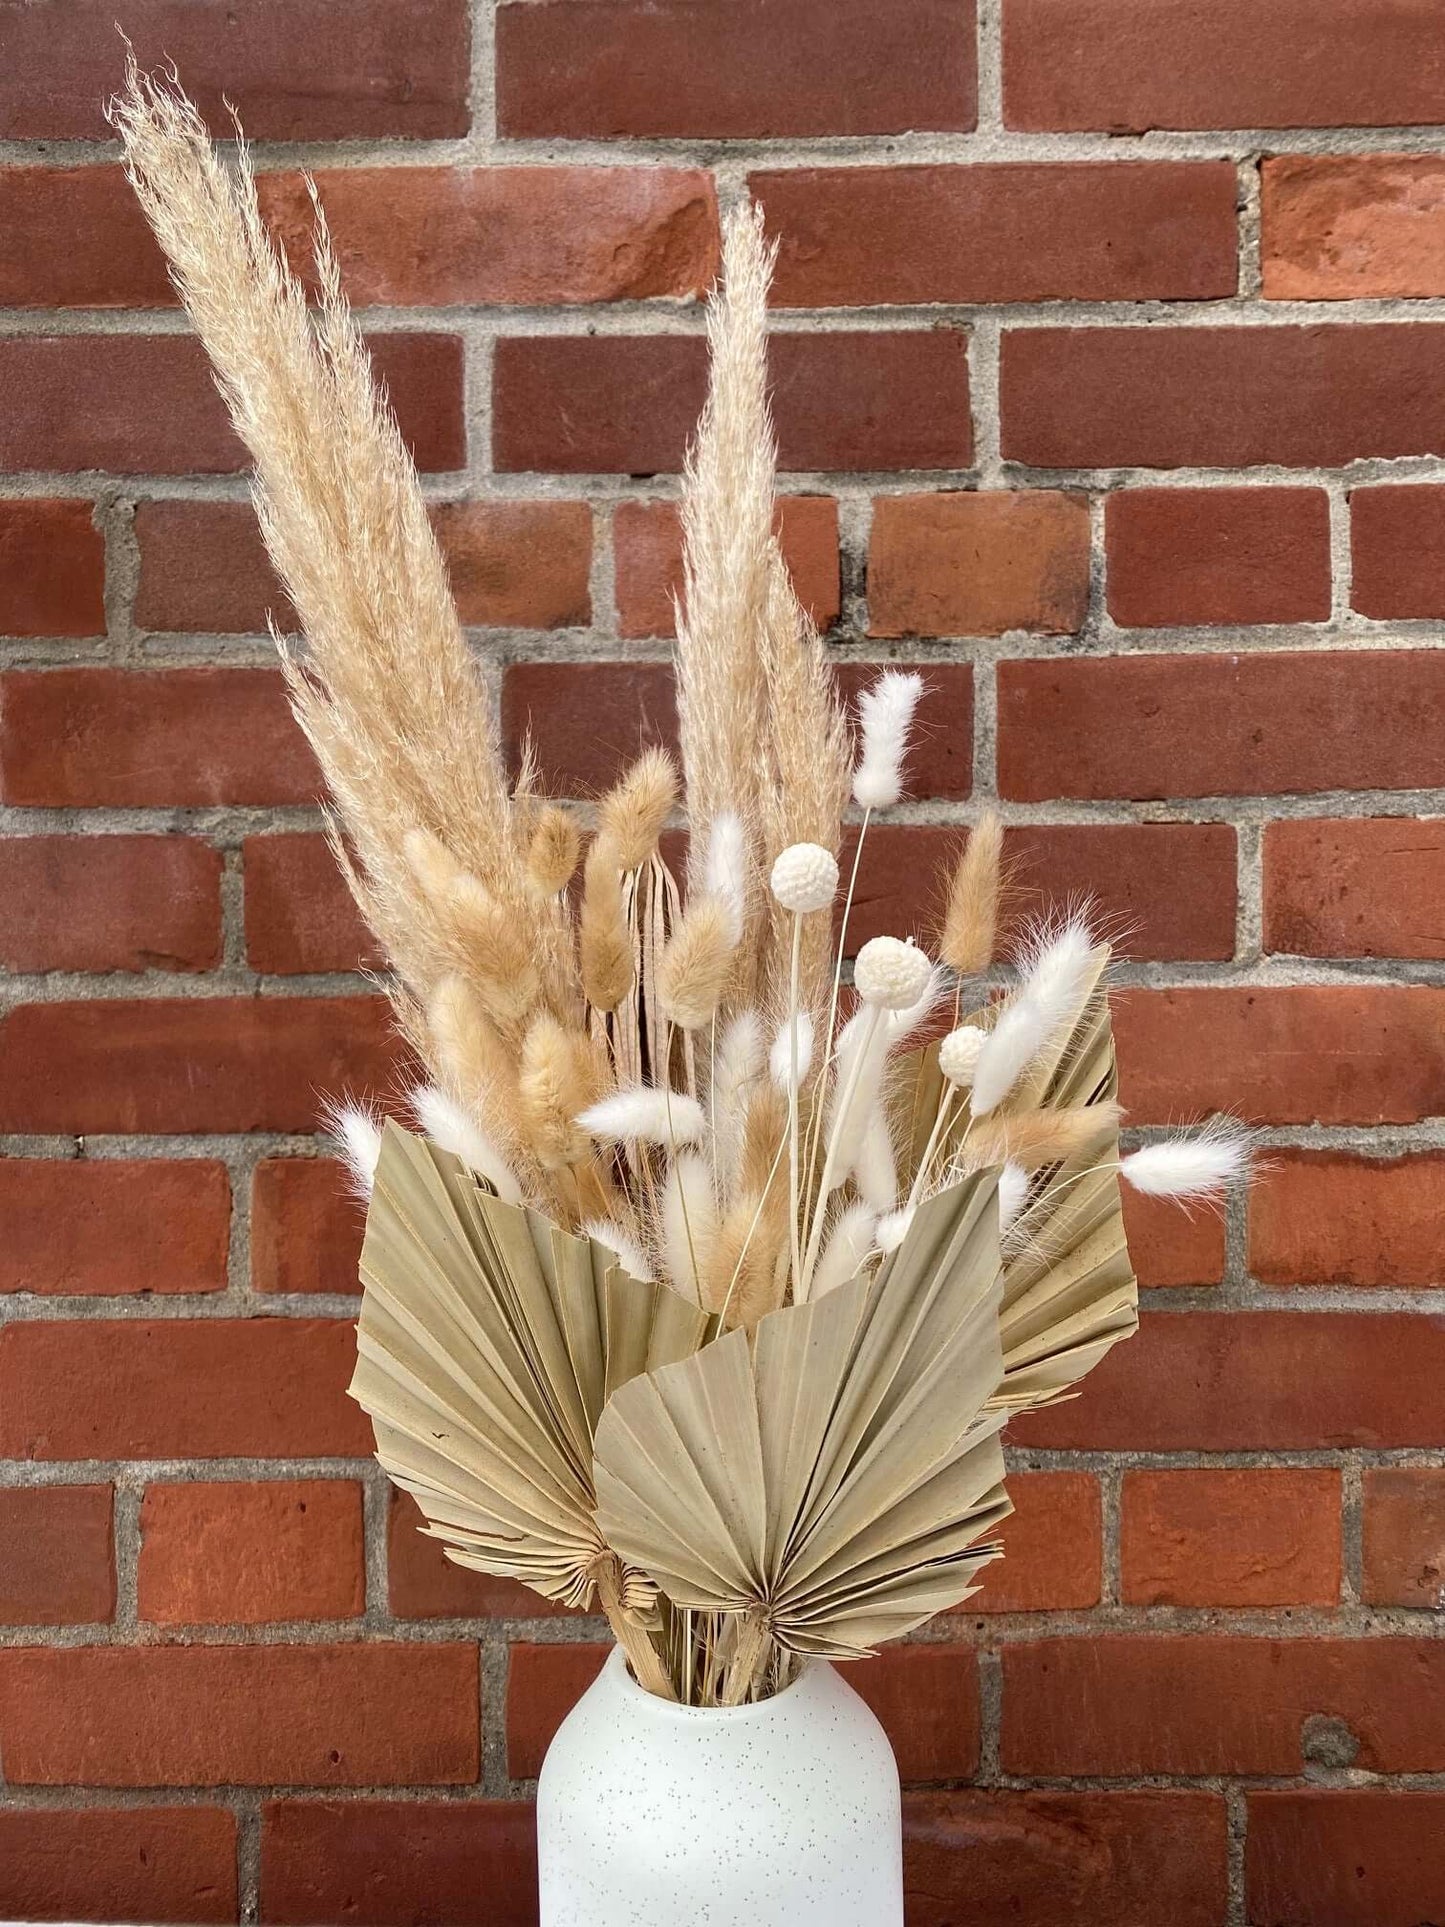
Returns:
(1329,1218)
(204,1388)
(1155,1859)
(1081,231)
(52,568)
(146,404)
(422,1583)
(1260,1537)
(1222,397)
(1355,1857)
(647,540)
(1225,63)
(109,903)
(1404,1537)
(1171,1246)
(1190,1705)
(189,1064)
(1342,227)
(241,1555)
(1354,887)
(300,916)
(544,1683)
(583,404)
(302,70)
(306,1227)
(106,1226)
(927,1699)
(1221,725)
(57,1560)
(1397,550)
(978,564)
(395,1863)
(587,721)
(210,1715)
(94,737)
(77,239)
(1256,1381)
(536,235)
(1297,1054)
(1052,1547)
(513,565)
(734,68)
(1181,556)
(1166,889)
(118,1863)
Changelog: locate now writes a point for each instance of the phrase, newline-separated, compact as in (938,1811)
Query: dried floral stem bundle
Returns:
(708,1284)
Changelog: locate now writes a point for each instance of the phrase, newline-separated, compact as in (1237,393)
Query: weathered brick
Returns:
(299,914)
(146,404)
(588,720)
(103,1226)
(89,738)
(1354,887)
(1194,1705)
(1343,227)
(1270,1381)
(1397,550)
(582,404)
(1182,556)
(1261,1537)
(422,1583)
(1332,1218)
(208,1715)
(205,1388)
(1170,1245)
(395,1863)
(978,564)
(57,1559)
(240,1555)
(300,70)
(1404,1537)
(1220,725)
(734,68)
(1221,397)
(995,1859)
(306,1227)
(189,1064)
(1031,231)
(1225,63)
(544,1683)
(118,1863)
(109,903)
(417,236)
(1052,1547)
(52,567)
(1287,1054)
(647,540)
(1352,1856)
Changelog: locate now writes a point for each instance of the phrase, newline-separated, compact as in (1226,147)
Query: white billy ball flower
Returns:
(805,877)
(891,975)
(958,1054)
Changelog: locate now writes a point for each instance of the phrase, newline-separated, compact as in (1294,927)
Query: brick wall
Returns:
(1113,392)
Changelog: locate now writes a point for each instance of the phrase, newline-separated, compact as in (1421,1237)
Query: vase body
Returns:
(783,1814)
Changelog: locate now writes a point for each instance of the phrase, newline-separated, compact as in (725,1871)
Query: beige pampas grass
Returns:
(560,1076)
(697,963)
(1030,1139)
(603,940)
(970,924)
(631,815)
(554,851)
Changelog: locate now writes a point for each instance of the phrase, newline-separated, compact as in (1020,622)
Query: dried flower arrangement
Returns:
(707,1282)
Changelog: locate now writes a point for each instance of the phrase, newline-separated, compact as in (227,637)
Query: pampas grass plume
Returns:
(554,849)
(632,813)
(1031,1139)
(693,973)
(558,1078)
(604,945)
(885,715)
(970,924)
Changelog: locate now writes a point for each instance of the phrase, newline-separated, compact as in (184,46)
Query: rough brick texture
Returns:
(1109,390)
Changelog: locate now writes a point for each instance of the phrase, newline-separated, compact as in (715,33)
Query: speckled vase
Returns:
(784,1814)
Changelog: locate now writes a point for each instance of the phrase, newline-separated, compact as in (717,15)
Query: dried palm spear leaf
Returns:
(831,1479)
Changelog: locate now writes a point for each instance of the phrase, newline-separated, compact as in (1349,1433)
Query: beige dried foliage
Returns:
(697,964)
(560,1076)
(554,850)
(970,924)
(1038,1137)
(603,939)
(631,815)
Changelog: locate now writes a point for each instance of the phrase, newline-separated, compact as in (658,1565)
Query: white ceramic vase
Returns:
(783,1814)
